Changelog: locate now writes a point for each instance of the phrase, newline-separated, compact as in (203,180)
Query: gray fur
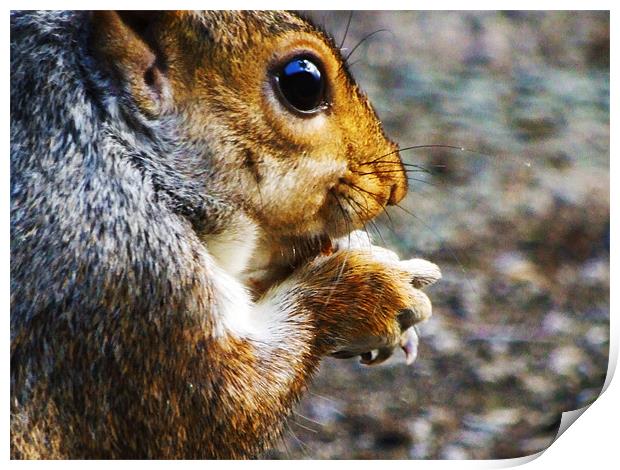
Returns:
(102,207)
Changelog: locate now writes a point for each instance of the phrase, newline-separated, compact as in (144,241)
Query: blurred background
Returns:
(518,223)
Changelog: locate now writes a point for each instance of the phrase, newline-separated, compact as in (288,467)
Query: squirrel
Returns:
(187,190)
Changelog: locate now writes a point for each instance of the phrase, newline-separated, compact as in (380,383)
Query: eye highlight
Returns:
(301,84)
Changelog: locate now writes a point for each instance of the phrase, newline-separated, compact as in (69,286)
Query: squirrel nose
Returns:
(397,193)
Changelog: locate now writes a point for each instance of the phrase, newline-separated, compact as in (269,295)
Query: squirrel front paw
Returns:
(366,302)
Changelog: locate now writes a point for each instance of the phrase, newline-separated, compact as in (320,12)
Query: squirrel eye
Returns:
(301,85)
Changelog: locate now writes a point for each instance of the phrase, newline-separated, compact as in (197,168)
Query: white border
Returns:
(591,443)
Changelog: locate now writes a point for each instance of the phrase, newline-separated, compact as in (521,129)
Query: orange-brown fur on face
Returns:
(295,175)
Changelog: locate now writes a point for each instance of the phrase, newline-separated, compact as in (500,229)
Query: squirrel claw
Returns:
(409,344)
(366,358)
(345,354)
(382,355)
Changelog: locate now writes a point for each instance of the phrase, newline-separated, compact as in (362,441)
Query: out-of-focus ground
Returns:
(519,226)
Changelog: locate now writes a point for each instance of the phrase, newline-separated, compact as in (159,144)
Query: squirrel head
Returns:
(267,99)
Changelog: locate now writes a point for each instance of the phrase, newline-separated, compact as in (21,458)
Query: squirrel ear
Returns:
(125,42)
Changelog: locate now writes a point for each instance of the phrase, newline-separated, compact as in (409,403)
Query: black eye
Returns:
(301,84)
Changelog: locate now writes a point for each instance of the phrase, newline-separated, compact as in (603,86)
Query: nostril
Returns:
(397,193)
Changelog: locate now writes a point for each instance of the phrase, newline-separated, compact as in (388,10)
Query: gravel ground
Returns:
(518,222)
